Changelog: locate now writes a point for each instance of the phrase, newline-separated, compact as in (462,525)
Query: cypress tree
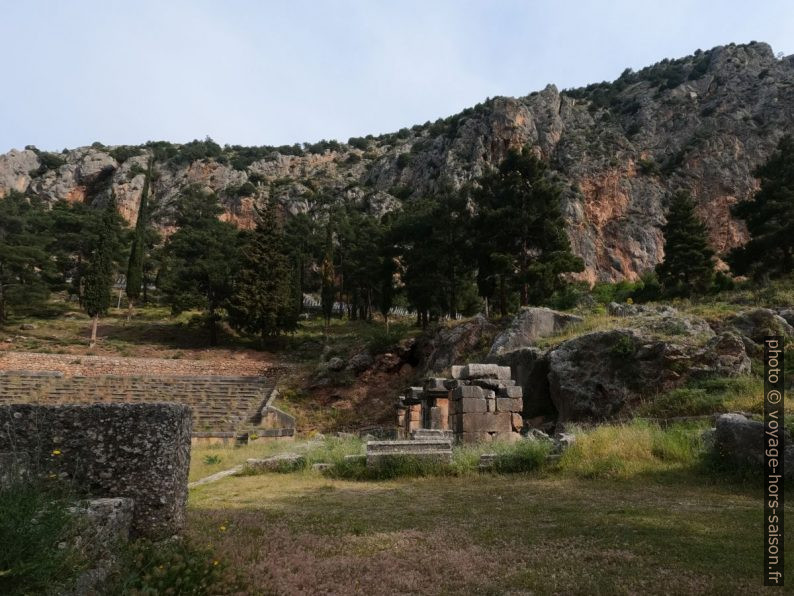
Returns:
(138,248)
(688,266)
(98,278)
(769,216)
(263,300)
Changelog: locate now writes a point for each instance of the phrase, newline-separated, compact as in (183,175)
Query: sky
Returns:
(271,73)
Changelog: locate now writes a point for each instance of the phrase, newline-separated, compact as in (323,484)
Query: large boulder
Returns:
(589,376)
(740,442)
(530,325)
(760,323)
(452,345)
(593,376)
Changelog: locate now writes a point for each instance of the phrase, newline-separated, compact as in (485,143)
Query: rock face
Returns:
(136,451)
(451,344)
(530,325)
(703,122)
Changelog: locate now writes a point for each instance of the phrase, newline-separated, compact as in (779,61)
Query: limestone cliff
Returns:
(702,122)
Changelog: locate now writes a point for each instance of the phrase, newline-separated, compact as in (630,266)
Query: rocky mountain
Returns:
(702,122)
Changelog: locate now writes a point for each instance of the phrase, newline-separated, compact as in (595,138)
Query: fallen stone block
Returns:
(436,450)
(285,462)
(426,434)
(321,467)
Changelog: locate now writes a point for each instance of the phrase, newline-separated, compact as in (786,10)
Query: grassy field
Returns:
(628,509)
(545,534)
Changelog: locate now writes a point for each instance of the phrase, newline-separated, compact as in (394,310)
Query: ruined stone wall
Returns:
(139,451)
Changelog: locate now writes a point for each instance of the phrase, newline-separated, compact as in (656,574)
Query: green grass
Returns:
(38,552)
(709,396)
(489,534)
(626,450)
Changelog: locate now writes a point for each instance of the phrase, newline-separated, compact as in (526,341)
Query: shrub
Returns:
(34,522)
(123,152)
(212,460)
(172,567)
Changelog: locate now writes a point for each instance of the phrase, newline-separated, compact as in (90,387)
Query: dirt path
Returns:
(240,365)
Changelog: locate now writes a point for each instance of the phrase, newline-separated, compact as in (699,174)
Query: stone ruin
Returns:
(480,403)
(139,452)
(226,409)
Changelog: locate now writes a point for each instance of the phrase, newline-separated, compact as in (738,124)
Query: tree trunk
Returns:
(487,314)
(130,308)
(94,325)
(213,328)
(502,296)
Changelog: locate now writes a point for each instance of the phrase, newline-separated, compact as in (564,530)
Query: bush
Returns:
(123,152)
(172,567)
(34,522)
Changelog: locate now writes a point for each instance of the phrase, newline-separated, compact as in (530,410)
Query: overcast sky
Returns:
(269,73)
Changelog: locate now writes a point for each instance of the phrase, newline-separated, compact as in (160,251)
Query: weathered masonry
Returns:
(135,451)
(479,403)
(224,408)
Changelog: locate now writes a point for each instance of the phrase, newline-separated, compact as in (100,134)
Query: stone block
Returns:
(457,371)
(471,391)
(507,404)
(513,392)
(285,462)
(381,452)
(494,384)
(487,422)
(485,371)
(137,451)
(517,421)
(471,405)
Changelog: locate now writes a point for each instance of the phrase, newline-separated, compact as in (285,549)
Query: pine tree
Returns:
(135,267)
(98,278)
(200,258)
(521,230)
(263,301)
(25,263)
(688,266)
(328,290)
(769,216)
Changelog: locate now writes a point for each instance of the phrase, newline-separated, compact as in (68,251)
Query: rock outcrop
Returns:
(595,376)
(528,326)
(703,122)
(452,344)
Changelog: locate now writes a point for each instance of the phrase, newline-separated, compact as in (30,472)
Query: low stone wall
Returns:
(139,451)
